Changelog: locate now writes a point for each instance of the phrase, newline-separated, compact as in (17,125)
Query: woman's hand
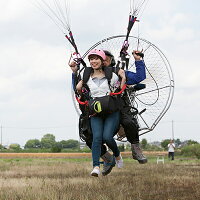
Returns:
(73,66)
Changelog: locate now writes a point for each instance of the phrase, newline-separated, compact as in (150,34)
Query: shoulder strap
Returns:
(86,74)
(116,70)
(88,70)
(108,73)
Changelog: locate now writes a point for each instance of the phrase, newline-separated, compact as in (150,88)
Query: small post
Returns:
(1,136)
(172,130)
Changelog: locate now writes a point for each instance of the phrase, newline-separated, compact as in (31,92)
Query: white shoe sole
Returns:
(94,174)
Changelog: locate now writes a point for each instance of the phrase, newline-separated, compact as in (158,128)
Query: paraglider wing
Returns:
(153,101)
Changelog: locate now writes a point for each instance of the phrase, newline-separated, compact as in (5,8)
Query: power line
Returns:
(162,122)
(32,128)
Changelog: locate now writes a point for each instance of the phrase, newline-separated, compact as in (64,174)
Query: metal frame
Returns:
(134,96)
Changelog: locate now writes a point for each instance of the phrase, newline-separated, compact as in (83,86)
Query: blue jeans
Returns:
(103,130)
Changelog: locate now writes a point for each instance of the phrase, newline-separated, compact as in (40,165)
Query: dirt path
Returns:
(67,155)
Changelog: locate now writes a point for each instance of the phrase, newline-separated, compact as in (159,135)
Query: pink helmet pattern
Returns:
(97,52)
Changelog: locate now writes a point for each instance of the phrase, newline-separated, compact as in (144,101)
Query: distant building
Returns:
(156,143)
(184,143)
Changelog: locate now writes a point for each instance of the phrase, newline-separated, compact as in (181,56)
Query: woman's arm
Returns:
(122,75)
(74,69)
(79,86)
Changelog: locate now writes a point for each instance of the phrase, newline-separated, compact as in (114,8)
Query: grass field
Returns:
(69,179)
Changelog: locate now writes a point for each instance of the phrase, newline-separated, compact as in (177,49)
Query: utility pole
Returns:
(172,130)
(1,136)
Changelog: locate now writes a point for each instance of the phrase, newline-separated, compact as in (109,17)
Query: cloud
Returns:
(177,27)
(173,33)
(13,10)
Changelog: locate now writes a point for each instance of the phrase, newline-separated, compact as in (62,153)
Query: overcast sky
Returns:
(35,89)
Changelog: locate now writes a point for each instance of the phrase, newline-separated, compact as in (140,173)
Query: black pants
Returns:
(129,123)
(171,154)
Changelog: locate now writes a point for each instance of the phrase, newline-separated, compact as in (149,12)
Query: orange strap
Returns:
(123,88)
(81,102)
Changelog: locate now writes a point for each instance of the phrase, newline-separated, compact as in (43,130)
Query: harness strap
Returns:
(82,102)
(117,93)
(111,94)
(86,74)
(108,74)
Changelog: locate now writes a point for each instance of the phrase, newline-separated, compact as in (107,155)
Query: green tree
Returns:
(14,146)
(164,143)
(191,150)
(144,143)
(177,142)
(48,141)
(33,143)
(71,144)
(64,144)
(56,148)
(190,142)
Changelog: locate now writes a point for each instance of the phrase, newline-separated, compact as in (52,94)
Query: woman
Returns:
(103,127)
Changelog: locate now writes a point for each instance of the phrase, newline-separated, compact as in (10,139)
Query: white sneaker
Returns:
(95,172)
(119,163)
